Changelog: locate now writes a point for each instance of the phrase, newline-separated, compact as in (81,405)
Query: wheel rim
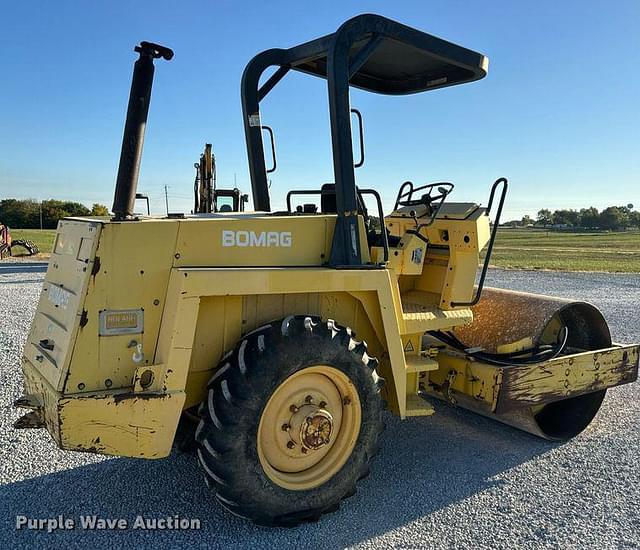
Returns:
(309,427)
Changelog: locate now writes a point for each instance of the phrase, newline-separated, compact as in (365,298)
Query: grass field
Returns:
(588,251)
(516,248)
(43,238)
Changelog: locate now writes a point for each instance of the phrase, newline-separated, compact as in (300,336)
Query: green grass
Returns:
(571,251)
(43,238)
(515,248)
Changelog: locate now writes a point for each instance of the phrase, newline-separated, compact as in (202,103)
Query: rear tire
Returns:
(279,464)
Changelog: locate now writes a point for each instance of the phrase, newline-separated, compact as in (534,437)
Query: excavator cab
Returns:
(208,198)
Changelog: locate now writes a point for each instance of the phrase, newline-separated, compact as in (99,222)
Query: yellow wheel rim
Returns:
(309,428)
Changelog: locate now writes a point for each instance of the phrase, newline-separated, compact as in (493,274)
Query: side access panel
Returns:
(50,342)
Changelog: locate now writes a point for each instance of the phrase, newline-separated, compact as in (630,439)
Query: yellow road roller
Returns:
(285,334)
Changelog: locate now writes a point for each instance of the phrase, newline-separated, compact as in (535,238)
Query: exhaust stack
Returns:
(133,138)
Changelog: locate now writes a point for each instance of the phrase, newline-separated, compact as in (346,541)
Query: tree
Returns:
(614,217)
(526,220)
(99,210)
(20,213)
(75,209)
(545,217)
(54,210)
(590,217)
(566,217)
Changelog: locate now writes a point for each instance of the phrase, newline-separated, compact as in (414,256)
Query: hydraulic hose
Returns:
(537,354)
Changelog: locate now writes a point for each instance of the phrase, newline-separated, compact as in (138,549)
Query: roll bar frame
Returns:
(342,58)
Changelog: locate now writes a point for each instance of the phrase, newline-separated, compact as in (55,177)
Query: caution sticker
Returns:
(254,119)
(409,346)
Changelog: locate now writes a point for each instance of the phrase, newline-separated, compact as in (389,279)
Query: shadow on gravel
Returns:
(424,465)
(20,281)
(23,267)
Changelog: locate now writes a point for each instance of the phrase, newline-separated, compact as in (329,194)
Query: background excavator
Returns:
(207,197)
(7,244)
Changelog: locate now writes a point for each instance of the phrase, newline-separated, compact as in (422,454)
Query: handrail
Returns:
(385,240)
(304,192)
(361,136)
(273,148)
(494,232)
(383,229)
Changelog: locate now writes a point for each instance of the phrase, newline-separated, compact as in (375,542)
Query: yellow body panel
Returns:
(496,389)
(451,259)
(134,318)
(58,317)
(325,291)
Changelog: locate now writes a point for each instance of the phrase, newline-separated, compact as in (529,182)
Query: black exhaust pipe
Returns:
(133,138)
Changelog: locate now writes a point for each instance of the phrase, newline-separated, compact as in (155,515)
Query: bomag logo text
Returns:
(252,239)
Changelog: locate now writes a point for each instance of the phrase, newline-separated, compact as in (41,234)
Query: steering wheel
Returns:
(428,198)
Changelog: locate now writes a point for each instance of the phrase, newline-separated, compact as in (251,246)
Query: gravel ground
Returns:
(452,480)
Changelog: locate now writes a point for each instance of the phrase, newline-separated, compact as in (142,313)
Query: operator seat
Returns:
(328,201)
(328,206)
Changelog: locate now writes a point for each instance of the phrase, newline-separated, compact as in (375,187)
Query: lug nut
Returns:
(290,444)
(323,404)
(285,427)
(308,399)
(304,450)
(293,408)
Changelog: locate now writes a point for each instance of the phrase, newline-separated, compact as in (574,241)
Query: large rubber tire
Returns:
(227,435)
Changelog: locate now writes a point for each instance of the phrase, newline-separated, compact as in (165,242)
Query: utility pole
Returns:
(40,215)
(166,198)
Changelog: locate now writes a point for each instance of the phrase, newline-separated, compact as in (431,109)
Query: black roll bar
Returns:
(357,54)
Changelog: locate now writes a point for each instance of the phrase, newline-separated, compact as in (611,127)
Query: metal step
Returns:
(417,406)
(420,316)
(419,363)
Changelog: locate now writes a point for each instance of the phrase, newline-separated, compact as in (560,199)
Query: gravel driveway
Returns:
(452,480)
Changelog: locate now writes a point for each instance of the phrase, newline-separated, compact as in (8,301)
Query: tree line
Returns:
(32,214)
(614,218)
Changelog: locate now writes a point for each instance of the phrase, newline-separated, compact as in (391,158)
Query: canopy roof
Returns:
(369,52)
(398,60)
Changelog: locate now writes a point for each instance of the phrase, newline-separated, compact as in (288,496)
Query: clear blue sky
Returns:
(558,113)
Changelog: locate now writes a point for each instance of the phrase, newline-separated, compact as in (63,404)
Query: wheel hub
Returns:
(311,427)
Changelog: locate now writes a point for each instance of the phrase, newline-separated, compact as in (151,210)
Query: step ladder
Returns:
(419,315)
(417,365)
